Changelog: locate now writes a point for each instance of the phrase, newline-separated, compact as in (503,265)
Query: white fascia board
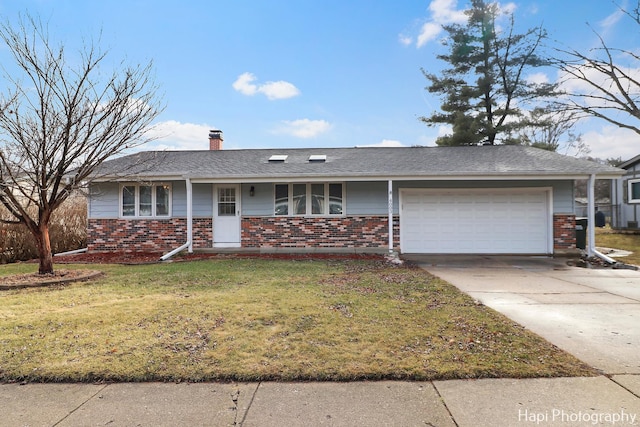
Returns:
(139,178)
(402,178)
(345,178)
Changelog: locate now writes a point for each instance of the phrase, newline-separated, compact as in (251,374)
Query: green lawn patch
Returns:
(607,238)
(258,319)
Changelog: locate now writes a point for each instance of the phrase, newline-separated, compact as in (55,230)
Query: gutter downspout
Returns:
(390,185)
(189,244)
(77,251)
(591,224)
(189,214)
(591,207)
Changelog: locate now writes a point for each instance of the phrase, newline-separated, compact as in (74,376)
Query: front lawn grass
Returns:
(608,238)
(258,319)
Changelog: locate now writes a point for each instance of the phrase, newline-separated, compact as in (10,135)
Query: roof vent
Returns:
(278,158)
(317,158)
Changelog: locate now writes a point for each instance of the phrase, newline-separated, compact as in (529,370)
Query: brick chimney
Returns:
(215,139)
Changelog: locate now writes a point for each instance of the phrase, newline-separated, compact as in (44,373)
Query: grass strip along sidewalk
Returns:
(261,319)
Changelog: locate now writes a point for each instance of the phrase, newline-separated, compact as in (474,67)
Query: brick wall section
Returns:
(146,235)
(564,231)
(320,232)
(159,235)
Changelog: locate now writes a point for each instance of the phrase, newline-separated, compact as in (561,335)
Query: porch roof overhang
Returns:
(347,178)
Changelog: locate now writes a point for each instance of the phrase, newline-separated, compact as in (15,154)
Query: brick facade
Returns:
(146,235)
(371,231)
(320,232)
(564,231)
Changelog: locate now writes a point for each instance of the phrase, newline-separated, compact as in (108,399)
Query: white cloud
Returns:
(538,78)
(279,90)
(429,31)
(580,86)
(243,84)
(303,128)
(173,135)
(272,90)
(405,40)
(508,8)
(612,141)
(444,130)
(610,21)
(445,12)
(385,143)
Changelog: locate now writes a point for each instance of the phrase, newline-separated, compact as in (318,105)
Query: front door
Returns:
(226,216)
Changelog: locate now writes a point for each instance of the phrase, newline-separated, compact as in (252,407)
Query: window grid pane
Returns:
(299,199)
(129,200)
(335,199)
(226,201)
(227,195)
(145,201)
(317,199)
(162,200)
(635,190)
(282,199)
(308,199)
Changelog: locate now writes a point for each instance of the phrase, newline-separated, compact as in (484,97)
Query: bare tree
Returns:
(60,118)
(604,82)
(553,130)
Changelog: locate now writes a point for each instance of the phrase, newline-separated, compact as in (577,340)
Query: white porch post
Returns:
(591,208)
(390,216)
(189,214)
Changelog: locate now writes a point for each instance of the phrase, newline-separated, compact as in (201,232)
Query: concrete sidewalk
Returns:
(499,402)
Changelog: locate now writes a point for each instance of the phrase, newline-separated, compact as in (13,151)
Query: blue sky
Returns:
(313,73)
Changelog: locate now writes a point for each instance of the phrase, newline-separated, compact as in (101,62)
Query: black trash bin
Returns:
(600,219)
(581,233)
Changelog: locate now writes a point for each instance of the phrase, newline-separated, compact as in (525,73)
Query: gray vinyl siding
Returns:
(361,198)
(371,197)
(104,200)
(619,197)
(178,199)
(563,197)
(261,203)
(368,198)
(202,201)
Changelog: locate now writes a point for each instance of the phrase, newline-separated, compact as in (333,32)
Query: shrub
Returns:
(67,231)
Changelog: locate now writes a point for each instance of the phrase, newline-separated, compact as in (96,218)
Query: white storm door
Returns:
(226,216)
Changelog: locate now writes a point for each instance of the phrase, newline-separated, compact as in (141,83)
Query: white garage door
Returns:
(487,221)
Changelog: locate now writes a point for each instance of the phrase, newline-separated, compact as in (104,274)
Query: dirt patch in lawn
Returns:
(59,277)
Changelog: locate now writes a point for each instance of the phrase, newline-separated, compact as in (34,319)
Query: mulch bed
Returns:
(135,258)
(59,277)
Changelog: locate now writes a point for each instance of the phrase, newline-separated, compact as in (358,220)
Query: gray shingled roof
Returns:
(501,161)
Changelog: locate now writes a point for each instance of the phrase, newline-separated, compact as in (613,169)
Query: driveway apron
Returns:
(591,313)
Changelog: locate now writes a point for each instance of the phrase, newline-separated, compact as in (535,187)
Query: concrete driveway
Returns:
(593,314)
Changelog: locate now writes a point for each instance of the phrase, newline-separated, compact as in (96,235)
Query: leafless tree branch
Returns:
(59,121)
(597,83)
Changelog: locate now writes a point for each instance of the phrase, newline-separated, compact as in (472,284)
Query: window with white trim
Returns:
(145,200)
(634,191)
(309,199)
